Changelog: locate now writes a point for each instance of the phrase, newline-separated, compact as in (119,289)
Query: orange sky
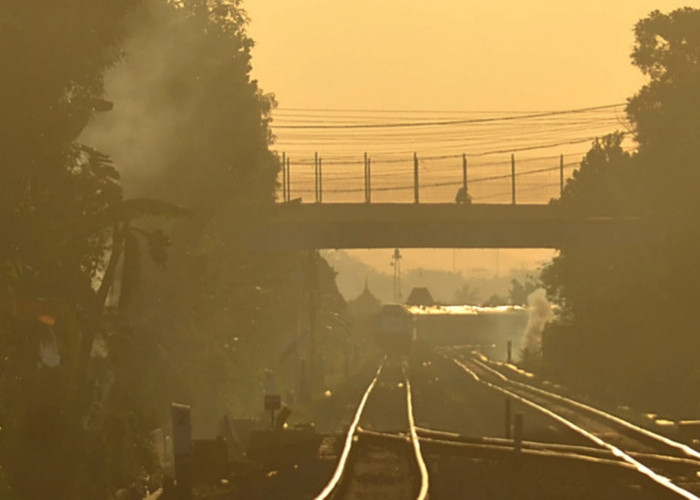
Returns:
(408,54)
(448,55)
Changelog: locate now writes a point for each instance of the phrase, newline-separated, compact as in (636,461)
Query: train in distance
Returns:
(394,329)
(397,327)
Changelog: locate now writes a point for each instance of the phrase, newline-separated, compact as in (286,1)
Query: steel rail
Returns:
(684,448)
(667,460)
(424,481)
(342,461)
(640,467)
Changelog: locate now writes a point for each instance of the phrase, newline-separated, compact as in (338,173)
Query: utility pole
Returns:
(396,264)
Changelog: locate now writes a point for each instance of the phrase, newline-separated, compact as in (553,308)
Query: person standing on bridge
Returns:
(463,197)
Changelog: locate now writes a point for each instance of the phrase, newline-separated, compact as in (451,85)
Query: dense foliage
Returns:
(58,202)
(96,343)
(193,130)
(626,326)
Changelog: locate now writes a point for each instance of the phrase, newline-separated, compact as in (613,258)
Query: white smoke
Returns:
(539,313)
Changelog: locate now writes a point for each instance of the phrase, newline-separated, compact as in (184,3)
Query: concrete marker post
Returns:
(508,418)
(518,432)
(182,450)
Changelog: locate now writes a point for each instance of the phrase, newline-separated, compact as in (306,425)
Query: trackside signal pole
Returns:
(396,264)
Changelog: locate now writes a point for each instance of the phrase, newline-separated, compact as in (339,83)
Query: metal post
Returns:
(284,177)
(182,449)
(366,181)
(507,433)
(320,180)
(510,350)
(316,176)
(518,432)
(464,175)
(561,176)
(289,180)
(415,178)
(369,180)
(512,176)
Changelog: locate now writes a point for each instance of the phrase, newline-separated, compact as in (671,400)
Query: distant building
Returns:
(366,304)
(420,296)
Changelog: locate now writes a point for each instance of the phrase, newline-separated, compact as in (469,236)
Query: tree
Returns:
(666,111)
(57,206)
(466,294)
(193,129)
(519,292)
(495,300)
(625,310)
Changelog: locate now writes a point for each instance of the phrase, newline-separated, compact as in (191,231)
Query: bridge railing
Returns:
(424,179)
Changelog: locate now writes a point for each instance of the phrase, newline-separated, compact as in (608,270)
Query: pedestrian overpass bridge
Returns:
(419,225)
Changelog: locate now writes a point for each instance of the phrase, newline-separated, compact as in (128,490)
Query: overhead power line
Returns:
(449,122)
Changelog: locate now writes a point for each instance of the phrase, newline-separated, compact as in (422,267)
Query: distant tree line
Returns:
(627,327)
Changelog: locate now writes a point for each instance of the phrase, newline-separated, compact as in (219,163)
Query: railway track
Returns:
(370,464)
(672,466)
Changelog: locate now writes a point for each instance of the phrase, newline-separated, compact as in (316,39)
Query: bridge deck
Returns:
(404,225)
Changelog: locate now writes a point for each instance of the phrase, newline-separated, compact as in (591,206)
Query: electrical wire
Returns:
(452,122)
